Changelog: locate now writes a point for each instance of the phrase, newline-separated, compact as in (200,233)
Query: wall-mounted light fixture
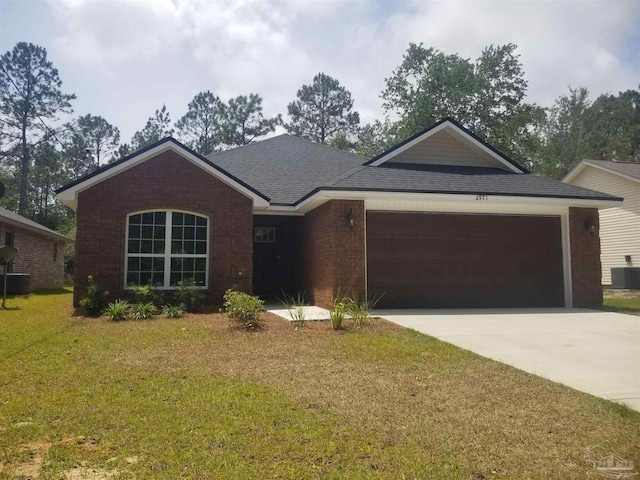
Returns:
(351,220)
(590,225)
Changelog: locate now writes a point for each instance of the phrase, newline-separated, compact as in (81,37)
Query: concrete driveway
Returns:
(596,352)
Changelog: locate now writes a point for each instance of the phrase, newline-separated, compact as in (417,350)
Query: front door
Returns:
(267,260)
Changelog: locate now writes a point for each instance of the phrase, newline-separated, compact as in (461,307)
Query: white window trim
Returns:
(167,248)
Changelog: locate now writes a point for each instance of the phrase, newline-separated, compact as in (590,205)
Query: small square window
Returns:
(264,235)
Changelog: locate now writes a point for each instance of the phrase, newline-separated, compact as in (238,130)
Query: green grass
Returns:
(629,303)
(198,398)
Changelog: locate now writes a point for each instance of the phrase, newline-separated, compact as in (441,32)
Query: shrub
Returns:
(143,311)
(117,311)
(94,302)
(243,307)
(146,294)
(188,295)
(173,311)
(360,309)
(337,314)
(295,307)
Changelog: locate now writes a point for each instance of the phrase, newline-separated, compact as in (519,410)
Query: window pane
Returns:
(146,246)
(135,219)
(175,278)
(200,279)
(176,233)
(201,221)
(189,233)
(159,233)
(200,264)
(201,248)
(132,278)
(201,233)
(177,218)
(147,218)
(145,263)
(189,219)
(147,233)
(145,278)
(187,264)
(133,264)
(134,231)
(158,246)
(176,264)
(176,247)
(158,264)
(134,246)
(189,247)
(160,218)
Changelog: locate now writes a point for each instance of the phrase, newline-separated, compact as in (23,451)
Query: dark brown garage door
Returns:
(417,260)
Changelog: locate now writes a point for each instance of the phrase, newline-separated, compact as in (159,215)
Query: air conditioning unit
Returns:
(625,277)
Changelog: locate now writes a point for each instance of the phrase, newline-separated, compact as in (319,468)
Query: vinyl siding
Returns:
(443,149)
(619,226)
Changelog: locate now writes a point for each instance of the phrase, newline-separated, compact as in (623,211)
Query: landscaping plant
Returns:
(117,311)
(94,302)
(188,295)
(146,294)
(173,311)
(359,309)
(337,314)
(295,307)
(246,309)
(143,311)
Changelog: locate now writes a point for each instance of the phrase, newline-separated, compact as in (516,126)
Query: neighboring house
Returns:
(619,225)
(40,250)
(440,220)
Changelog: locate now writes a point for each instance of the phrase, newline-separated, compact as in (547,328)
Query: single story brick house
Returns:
(441,220)
(40,250)
(619,225)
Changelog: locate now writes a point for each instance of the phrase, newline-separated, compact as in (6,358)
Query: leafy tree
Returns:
(374,138)
(200,127)
(576,128)
(30,96)
(157,128)
(244,122)
(486,96)
(124,150)
(615,129)
(322,110)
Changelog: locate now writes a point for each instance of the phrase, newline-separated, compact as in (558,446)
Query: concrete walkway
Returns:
(592,351)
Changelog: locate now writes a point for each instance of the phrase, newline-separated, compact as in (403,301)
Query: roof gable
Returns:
(628,170)
(69,193)
(447,143)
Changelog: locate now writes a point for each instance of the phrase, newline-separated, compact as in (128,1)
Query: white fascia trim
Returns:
(586,163)
(70,196)
(446,124)
(326,195)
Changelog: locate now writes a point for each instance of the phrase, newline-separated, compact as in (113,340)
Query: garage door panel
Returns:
(463,261)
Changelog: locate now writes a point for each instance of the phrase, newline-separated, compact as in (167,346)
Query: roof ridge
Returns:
(250,144)
(307,140)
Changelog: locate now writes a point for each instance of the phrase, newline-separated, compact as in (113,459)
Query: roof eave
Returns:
(586,163)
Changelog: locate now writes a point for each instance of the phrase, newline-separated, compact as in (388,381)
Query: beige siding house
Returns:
(619,226)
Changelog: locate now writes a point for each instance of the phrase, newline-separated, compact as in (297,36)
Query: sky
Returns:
(125,58)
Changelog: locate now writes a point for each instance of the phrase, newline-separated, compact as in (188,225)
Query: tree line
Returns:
(486,95)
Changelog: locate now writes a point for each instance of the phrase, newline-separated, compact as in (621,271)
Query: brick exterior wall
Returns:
(333,254)
(586,272)
(167,181)
(36,257)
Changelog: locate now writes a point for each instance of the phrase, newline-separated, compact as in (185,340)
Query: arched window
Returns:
(165,247)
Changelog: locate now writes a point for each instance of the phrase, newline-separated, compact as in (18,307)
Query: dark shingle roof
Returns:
(631,169)
(464,180)
(11,218)
(286,168)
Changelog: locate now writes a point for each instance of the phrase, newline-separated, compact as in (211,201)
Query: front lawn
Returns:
(622,301)
(199,398)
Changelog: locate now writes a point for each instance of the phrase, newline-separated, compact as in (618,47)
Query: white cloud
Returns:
(155,51)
